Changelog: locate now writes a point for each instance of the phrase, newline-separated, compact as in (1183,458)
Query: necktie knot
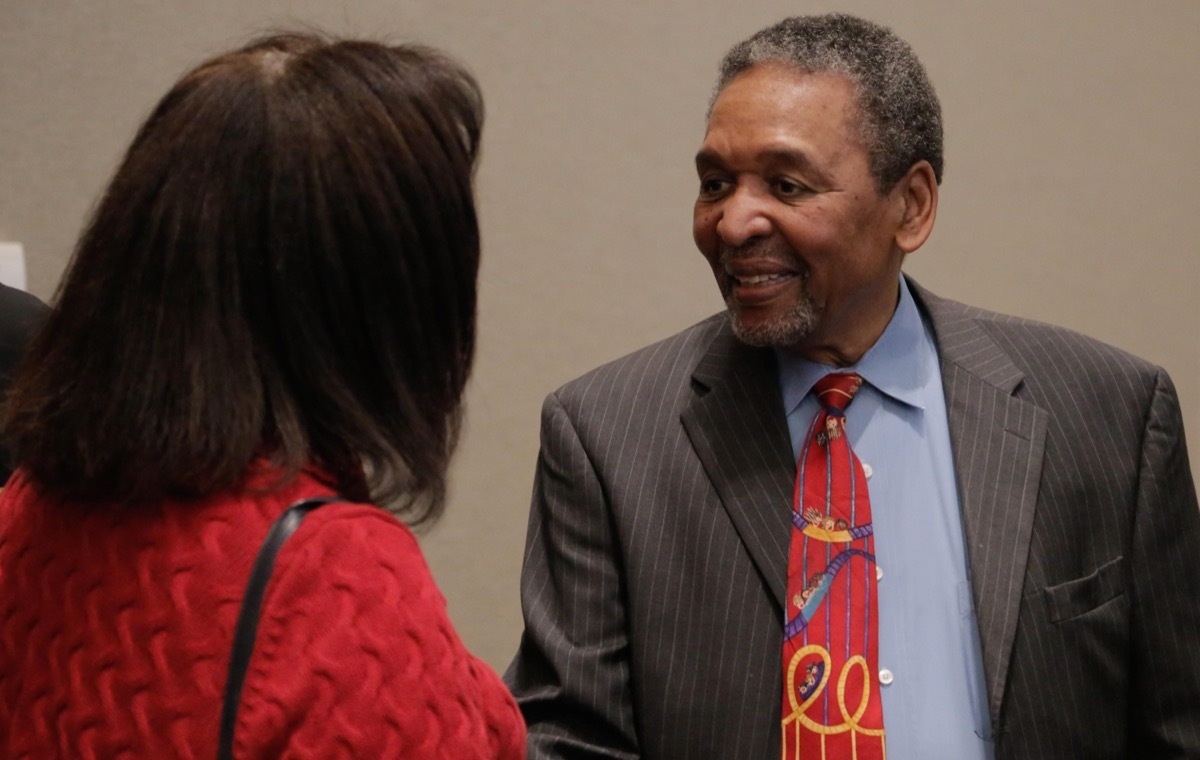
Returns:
(835,391)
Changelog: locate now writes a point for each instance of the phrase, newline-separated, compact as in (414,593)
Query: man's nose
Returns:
(743,217)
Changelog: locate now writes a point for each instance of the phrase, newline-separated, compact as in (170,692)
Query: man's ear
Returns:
(918,191)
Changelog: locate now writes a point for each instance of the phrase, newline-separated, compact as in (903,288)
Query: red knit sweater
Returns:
(116,628)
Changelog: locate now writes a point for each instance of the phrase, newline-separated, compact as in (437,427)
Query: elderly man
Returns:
(850,514)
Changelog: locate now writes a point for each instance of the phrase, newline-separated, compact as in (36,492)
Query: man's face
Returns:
(790,218)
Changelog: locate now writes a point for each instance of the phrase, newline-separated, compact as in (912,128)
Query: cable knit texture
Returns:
(116,628)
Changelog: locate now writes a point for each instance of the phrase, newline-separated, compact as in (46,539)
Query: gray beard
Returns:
(784,331)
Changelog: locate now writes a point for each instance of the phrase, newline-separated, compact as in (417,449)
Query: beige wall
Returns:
(1070,195)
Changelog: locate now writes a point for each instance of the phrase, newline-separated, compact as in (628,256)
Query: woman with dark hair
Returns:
(274,301)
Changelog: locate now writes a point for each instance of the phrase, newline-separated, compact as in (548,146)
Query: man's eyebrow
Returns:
(707,158)
(789,157)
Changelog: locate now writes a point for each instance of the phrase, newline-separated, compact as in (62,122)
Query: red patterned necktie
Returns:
(831,701)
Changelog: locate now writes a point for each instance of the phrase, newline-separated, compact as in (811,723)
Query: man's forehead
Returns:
(780,97)
(779,83)
(782,69)
(780,93)
(767,155)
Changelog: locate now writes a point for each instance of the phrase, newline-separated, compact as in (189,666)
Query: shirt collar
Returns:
(895,366)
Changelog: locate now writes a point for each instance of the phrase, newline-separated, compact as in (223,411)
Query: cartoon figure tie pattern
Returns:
(831,702)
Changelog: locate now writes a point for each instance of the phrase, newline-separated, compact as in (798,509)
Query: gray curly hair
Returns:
(900,117)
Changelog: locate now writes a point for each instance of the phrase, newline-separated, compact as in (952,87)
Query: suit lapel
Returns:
(998,442)
(736,424)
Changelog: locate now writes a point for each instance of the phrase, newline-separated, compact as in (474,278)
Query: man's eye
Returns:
(710,187)
(786,188)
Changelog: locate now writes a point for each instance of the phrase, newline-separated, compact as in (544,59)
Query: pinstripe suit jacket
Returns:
(655,567)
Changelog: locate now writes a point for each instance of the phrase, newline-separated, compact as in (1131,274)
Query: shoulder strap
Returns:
(247,622)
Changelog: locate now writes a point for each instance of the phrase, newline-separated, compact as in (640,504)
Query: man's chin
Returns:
(776,332)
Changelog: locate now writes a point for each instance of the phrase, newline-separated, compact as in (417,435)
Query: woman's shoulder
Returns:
(355,628)
(342,547)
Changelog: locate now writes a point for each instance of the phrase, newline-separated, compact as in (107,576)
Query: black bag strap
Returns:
(247,622)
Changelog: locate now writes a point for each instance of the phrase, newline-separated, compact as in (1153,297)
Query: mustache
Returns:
(771,249)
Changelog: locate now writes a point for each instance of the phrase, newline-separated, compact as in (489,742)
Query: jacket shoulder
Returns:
(1038,349)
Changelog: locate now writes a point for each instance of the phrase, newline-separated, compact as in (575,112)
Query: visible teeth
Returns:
(758,279)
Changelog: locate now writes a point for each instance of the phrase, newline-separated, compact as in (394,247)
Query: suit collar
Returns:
(998,441)
(963,342)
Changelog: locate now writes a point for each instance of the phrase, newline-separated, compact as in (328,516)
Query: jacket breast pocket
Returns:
(1076,597)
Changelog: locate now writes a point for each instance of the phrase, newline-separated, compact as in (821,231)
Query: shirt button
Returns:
(886,677)
(878,573)
(868,470)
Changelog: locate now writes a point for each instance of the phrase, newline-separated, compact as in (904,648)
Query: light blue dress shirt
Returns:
(934,699)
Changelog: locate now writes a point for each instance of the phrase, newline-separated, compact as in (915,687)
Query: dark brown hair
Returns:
(283,267)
